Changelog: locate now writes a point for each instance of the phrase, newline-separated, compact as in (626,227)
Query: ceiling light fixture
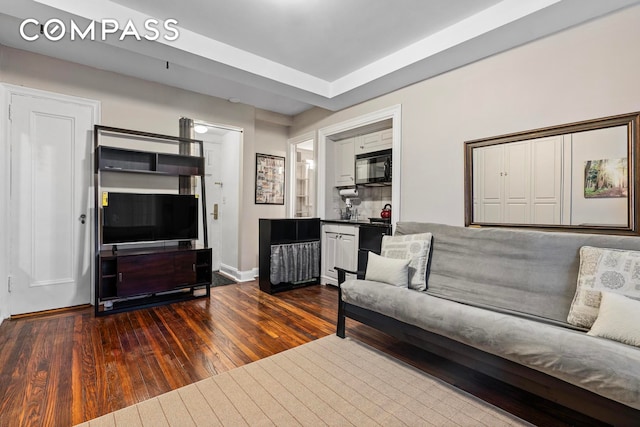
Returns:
(200,129)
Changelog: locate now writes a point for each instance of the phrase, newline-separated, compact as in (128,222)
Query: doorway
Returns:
(222,152)
(302,173)
(326,137)
(50,203)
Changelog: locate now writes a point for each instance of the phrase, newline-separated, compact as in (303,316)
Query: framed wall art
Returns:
(270,176)
(606,178)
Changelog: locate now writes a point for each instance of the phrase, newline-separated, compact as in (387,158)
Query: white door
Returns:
(546,180)
(492,189)
(50,246)
(213,182)
(516,179)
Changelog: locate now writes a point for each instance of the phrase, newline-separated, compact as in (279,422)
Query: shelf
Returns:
(120,306)
(112,159)
(137,277)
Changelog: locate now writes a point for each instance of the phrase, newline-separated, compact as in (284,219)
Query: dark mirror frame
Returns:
(631,121)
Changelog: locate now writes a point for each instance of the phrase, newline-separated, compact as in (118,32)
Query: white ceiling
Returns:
(289,55)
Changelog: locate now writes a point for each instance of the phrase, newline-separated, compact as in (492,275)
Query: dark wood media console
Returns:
(148,272)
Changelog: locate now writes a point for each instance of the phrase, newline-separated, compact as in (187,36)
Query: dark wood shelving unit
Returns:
(148,276)
(124,160)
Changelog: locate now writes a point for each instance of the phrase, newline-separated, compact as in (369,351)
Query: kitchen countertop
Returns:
(356,222)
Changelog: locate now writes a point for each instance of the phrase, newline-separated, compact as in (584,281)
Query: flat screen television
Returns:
(133,217)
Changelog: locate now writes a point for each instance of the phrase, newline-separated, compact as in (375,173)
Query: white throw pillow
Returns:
(387,270)
(618,319)
(602,269)
(414,247)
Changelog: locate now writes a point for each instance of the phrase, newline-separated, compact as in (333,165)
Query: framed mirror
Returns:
(574,177)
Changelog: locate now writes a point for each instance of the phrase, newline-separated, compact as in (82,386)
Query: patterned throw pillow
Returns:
(415,247)
(602,269)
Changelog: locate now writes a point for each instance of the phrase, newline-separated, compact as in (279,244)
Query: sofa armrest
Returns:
(342,274)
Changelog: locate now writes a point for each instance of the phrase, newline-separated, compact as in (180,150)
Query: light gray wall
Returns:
(586,72)
(138,104)
(268,141)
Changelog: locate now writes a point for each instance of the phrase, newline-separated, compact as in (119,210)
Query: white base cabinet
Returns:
(339,249)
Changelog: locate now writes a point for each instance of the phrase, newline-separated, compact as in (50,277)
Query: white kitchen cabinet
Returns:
(376,141)
(339,249)
(345,162)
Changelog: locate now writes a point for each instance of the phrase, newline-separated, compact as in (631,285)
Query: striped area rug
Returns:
(330,381)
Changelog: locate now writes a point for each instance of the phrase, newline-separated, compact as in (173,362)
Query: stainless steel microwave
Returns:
(374,168)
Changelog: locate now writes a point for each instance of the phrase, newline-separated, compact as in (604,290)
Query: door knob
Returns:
(83,218)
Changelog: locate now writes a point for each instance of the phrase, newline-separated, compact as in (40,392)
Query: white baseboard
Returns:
(237,275)
(328,281)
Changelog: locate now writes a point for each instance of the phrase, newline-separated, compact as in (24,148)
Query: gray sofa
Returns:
(497,301)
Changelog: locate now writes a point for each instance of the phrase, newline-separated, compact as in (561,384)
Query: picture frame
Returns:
(270,179)
(606,178)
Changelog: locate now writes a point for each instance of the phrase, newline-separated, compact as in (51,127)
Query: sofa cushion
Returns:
(416,248)
(387,270)
(602,366)
(531,272)
(603,269)
(618,319)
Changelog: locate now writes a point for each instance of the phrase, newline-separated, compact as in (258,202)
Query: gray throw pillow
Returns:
(618,319)
(387,270)
(414,247)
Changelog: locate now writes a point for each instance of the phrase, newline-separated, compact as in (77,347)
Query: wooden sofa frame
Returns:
(512,373)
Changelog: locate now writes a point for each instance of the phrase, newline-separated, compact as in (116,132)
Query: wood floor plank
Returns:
(169,365)
(14,376)
(115,386)
(58,388)
(84,370)
(129,361)
(148,362)
(67,368)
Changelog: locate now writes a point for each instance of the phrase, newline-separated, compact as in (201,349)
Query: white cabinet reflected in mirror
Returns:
(578,177)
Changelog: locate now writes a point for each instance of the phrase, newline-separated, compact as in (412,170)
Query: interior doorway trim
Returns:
(394,113)
(232,270)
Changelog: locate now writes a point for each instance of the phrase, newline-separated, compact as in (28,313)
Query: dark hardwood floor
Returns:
(67,368)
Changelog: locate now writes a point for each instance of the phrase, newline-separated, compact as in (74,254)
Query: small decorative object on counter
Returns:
(386,212)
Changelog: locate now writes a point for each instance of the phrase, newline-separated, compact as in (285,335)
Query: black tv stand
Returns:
(129,277)
(146,277)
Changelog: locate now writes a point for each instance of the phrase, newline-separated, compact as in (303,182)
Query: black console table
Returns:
(275,232)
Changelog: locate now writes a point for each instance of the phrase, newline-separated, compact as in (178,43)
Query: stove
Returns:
(380,220)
